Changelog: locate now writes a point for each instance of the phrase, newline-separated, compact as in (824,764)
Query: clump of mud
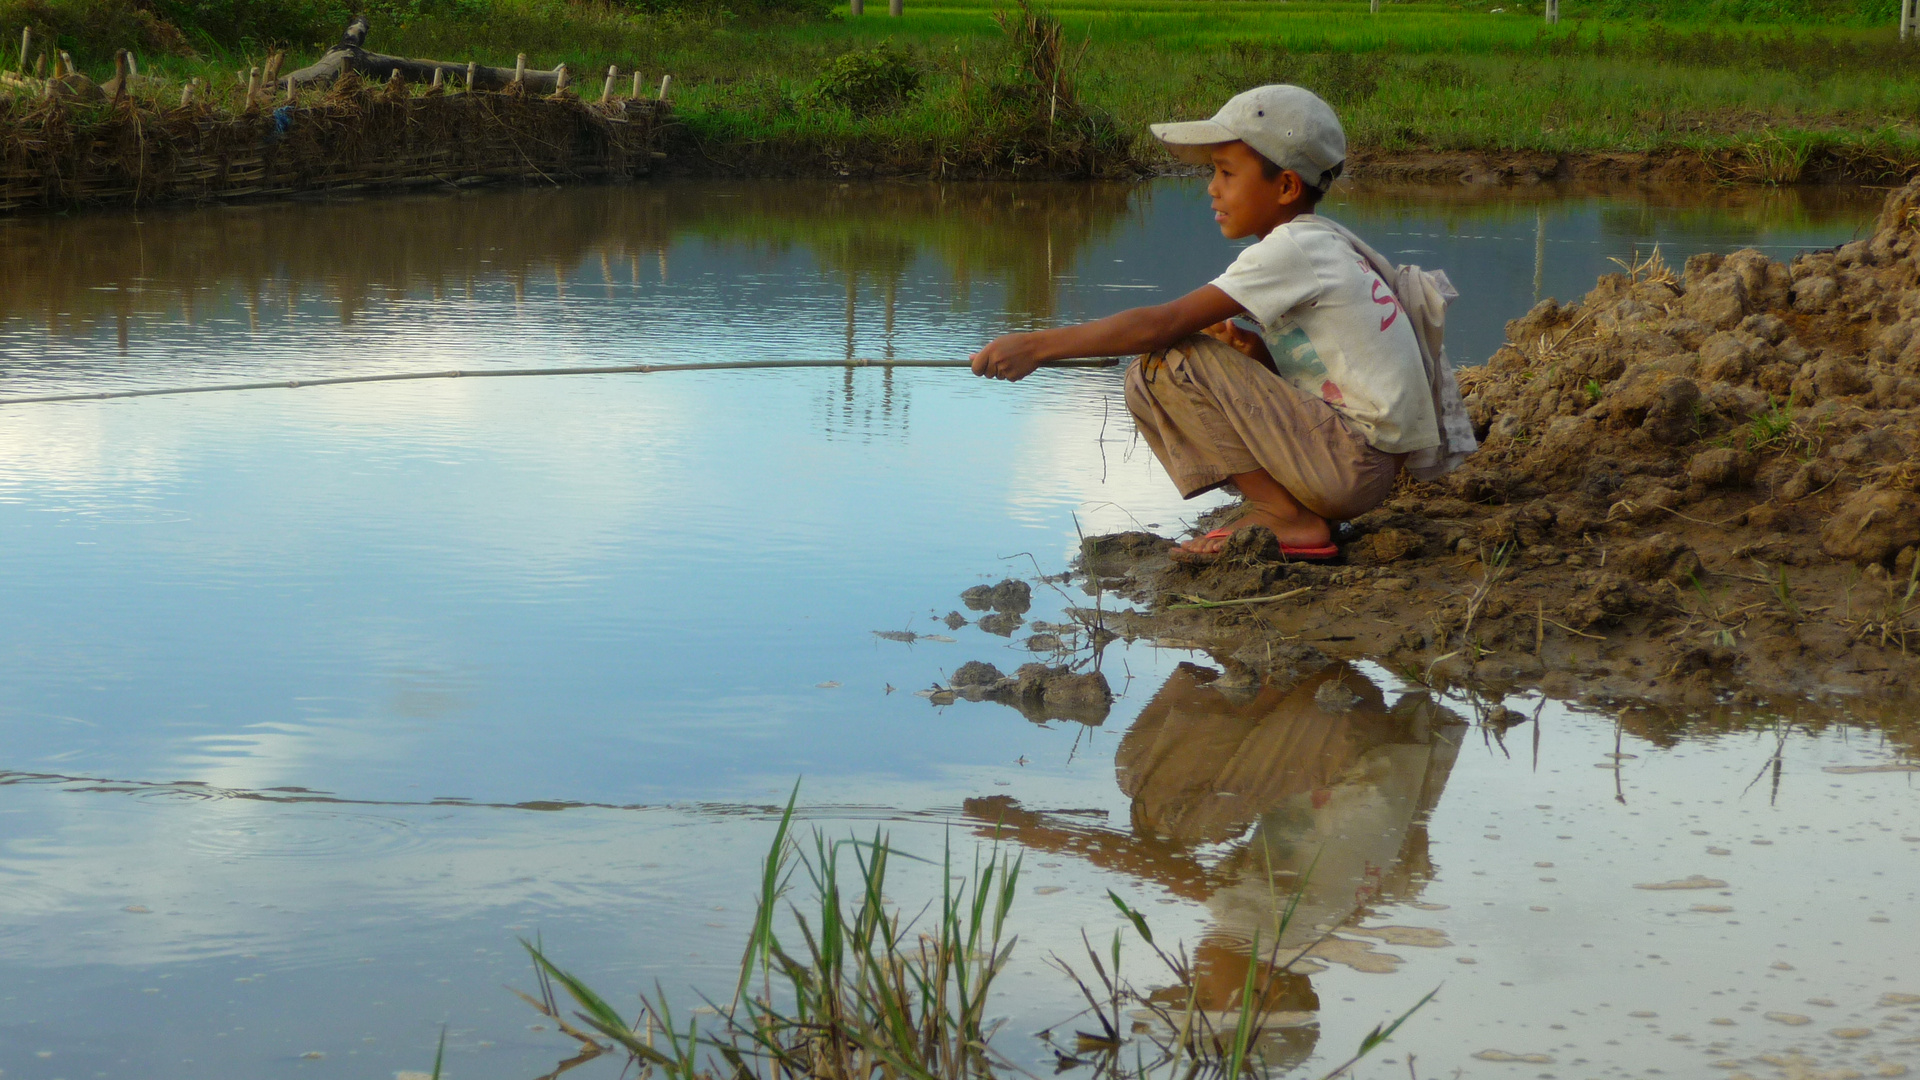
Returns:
(1693,484)
(1039,691)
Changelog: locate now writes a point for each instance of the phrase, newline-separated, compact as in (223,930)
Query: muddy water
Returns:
(312,701)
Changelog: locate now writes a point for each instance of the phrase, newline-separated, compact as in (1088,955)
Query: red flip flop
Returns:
(1295,552)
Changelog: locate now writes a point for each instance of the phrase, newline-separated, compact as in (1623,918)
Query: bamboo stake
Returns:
(665,82)
(896,8)
(520,68)
(473,68)
(186,93)
(636,86)
(606,92)
(436,80)
(617,369)
(26,47)
(560,79)
(253,83)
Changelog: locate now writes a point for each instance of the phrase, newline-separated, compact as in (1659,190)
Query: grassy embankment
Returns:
(1763,90)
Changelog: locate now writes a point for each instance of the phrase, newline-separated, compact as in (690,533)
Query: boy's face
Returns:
(1245,202)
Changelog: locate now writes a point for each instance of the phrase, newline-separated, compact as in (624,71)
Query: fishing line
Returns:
(505,373)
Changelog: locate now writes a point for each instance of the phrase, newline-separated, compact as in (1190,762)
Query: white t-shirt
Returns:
(1336,331)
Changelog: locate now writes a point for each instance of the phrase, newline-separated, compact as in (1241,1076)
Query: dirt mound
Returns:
(1692,484)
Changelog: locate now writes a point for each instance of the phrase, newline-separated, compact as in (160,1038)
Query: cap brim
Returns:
(1193,141)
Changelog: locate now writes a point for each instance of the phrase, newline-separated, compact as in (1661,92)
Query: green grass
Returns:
(1430,76)
(843,986)
(1808,88)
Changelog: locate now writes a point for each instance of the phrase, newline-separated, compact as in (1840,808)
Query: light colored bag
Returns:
(1425,294)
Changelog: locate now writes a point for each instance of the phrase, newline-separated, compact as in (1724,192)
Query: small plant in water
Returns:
(862,993)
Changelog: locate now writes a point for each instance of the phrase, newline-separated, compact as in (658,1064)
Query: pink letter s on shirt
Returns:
(1389,301)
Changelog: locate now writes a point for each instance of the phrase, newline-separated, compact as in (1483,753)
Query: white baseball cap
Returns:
(1287,125)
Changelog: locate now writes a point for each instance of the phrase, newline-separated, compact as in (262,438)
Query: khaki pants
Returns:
(1209,411)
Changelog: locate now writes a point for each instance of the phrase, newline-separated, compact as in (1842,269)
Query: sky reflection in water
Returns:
(446,611)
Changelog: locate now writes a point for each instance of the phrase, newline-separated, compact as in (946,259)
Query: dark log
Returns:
(349,55)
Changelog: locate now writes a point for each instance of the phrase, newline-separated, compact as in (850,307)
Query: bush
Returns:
(237,24)
(90,29)
(867,82)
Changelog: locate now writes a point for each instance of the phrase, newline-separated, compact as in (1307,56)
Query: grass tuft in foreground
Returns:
(854,989)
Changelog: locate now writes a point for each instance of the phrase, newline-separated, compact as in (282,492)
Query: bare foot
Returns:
(1301,528)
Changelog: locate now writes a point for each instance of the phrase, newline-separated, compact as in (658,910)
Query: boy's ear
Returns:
(1292,187)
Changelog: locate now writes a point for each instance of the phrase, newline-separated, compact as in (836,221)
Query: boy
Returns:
(1311,418)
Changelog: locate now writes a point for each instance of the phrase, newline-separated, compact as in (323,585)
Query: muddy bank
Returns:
(692,157)
(1671,165)
(1697,484)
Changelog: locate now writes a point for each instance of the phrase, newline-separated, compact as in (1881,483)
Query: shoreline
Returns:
(670,153)
(1696,486)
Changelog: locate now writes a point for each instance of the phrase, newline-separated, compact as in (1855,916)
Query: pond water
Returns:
(313,701)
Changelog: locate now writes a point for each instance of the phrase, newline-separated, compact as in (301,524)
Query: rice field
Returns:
(1415,76)
(1782,99)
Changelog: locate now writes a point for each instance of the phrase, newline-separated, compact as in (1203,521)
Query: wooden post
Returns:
(606,92)
(896,8)
(520,68)
(26,46)
(1909,19)
(636,86)
(133,64)
(436,79)
(665,82)
(560,79)
(1373,8)
(473,68)
(186,94)
(253,83)
(856,8)
(1553,12)
(292,94)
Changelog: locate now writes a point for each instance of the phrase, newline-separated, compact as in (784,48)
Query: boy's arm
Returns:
(1137,330)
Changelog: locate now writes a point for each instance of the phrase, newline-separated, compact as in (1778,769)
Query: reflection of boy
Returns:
(1326,439)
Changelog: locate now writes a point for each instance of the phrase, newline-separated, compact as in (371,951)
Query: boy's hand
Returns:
(1011,357)
(1244,340)
(1237,336)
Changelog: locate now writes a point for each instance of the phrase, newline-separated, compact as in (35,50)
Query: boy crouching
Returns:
(1311,417)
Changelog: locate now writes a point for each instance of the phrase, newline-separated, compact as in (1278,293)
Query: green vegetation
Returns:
(1769,91)
(855,990)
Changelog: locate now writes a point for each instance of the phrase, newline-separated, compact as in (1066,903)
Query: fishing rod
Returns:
(506,373)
